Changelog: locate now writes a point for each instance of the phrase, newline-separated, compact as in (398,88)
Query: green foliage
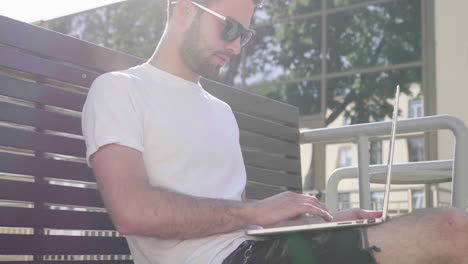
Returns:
(132,27)
(365,37)
(287,51)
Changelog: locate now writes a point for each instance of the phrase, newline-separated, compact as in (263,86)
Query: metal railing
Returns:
(423,172)
(362,132)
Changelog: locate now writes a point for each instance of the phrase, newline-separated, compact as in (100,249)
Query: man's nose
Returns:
(234,46)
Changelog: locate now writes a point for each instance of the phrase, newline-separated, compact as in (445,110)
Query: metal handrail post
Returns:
(423,124)
(363,167)
(460,168)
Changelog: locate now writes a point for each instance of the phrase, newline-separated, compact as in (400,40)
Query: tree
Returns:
(133,27)
(286,53)
(375,35)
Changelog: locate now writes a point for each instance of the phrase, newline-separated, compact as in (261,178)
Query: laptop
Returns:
(306,223)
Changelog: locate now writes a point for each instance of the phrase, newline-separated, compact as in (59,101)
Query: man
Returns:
(168,164)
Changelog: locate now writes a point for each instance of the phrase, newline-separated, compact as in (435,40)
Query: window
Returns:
(345,158)
(415,108)
(340,91)
(377,200)
(373,36)
(361,35)
(418,199)
(416,149)
(376,152)
(343,201)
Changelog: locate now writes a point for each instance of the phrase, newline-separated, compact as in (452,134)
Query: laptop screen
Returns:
(391,152)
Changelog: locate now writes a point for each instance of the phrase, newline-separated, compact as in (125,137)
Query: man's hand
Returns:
(355,214)
(286,206)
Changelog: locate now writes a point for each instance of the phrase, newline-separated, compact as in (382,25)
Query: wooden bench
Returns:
(50,208)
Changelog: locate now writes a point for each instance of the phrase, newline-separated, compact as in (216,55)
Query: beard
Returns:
(194,57)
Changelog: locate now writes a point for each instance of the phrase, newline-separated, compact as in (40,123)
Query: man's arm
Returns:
(137,208)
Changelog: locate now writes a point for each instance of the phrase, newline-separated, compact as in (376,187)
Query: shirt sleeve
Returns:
(111,115)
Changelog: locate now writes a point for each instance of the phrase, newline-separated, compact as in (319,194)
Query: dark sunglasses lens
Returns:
(232,30)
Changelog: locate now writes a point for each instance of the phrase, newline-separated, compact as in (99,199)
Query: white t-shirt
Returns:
(190,144)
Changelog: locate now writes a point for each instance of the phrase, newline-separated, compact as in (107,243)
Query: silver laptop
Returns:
(306,223)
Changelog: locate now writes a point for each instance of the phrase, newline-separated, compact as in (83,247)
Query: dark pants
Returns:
(337,246)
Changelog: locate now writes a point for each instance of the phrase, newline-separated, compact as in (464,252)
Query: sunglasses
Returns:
(232,29)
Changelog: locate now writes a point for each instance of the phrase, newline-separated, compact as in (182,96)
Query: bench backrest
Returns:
(50,208)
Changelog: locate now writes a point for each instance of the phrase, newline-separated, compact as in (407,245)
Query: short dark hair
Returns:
(257,3)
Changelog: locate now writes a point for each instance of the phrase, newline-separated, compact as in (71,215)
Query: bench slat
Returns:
(253,104)
(262,160)
(48,193)
(258,192)
(267,127)
(19,138)
(23,139)
(57,219)
(40,93)
(274,177)
(42,167)
(267,144)
(25,62)
(14,113)
(62,47)
(39,118)
(58,245)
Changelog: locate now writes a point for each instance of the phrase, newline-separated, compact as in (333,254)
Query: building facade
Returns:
(339,62)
